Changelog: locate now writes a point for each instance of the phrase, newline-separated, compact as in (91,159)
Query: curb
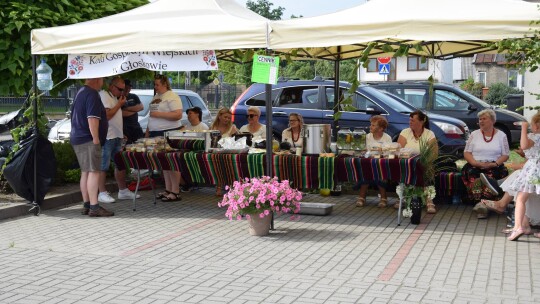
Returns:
(52,202)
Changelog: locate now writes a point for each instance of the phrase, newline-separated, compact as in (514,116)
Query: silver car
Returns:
(190,99)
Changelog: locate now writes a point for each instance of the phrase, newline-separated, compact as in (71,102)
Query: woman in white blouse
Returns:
(293,134)
(257,129)
(486,151)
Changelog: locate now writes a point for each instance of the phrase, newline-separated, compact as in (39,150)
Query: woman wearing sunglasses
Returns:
(257,129)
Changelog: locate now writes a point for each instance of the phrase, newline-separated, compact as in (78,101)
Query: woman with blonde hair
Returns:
(223,123)
(257,129)
(165,115)
(293,133)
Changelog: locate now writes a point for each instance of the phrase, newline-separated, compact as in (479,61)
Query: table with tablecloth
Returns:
(305,172)
(408,171)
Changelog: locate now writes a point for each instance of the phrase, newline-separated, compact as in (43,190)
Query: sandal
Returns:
(382,203)
(172,197)
(360,202)
(162,194)
(431,208)
(516,234)
(491,205)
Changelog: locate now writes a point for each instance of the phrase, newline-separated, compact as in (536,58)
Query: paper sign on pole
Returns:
(83,66)
(265,69)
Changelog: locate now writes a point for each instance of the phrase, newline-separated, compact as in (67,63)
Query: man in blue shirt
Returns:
(88,133)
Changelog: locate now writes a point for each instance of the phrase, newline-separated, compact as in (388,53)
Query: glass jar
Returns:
(344,139)
(359,139)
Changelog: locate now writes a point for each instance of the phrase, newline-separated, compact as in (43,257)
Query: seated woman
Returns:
(486,151)
(293,133)
(223,123)
(411,137)
(195,123)
(257,129)
(376,137)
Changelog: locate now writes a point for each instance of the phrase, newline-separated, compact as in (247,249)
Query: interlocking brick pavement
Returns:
(188,252)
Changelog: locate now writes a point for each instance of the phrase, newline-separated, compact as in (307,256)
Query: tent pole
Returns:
(35,203)
(269,141)
(337,94)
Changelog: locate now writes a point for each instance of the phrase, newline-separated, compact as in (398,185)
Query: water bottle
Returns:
(44,76)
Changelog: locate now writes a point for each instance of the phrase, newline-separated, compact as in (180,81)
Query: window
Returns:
(260,99)
(373,65)
(446,100)
(512,78)
(415,64)
(299,97)
(482,78)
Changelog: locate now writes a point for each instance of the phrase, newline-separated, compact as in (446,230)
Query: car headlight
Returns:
(449,130)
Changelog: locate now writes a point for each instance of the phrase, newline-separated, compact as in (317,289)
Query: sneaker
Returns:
(126,194)
(101,212)
(490,184)
(105,197)
(185,188)
(85,211)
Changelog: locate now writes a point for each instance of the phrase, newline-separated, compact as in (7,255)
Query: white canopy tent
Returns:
(447,28)
(164,25)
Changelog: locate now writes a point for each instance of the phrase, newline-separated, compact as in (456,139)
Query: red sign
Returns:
(384,60)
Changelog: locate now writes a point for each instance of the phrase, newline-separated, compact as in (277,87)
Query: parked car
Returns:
(452,101)
(8,121)
(189,99)
(314,100)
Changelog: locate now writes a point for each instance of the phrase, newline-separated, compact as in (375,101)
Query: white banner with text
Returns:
(84,66)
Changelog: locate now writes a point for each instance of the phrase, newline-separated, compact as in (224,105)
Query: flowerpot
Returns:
(259,226)
(416,208)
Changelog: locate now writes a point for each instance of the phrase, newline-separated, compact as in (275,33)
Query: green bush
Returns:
(66,161)
(497,93)
(472,87)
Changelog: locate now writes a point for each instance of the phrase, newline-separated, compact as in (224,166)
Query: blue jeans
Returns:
(111,147)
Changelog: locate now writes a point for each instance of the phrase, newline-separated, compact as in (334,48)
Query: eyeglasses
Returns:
(252,115)
(119,89)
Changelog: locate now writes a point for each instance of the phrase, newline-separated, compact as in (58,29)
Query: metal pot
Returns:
(317,138)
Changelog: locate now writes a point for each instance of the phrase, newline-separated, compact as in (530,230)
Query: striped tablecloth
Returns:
(404,170)
(305,172)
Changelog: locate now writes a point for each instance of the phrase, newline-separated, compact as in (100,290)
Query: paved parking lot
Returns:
(188,252)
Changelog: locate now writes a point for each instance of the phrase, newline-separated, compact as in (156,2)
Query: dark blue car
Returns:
(314,100)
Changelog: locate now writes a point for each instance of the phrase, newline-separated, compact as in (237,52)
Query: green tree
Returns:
(497,93)
(523,53)
(265,9)
(20,17)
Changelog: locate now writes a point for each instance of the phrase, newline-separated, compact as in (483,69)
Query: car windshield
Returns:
(392,101)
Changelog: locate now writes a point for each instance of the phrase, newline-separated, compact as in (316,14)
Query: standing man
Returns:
(132,129)
(113,100)
(88,133)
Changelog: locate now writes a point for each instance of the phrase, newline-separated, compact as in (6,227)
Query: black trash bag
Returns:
(5,147)
(19,172)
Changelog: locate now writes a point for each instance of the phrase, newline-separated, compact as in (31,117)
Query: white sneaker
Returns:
(106,198)
(126,194)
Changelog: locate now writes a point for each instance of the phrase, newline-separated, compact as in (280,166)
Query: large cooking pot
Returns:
(317,138)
